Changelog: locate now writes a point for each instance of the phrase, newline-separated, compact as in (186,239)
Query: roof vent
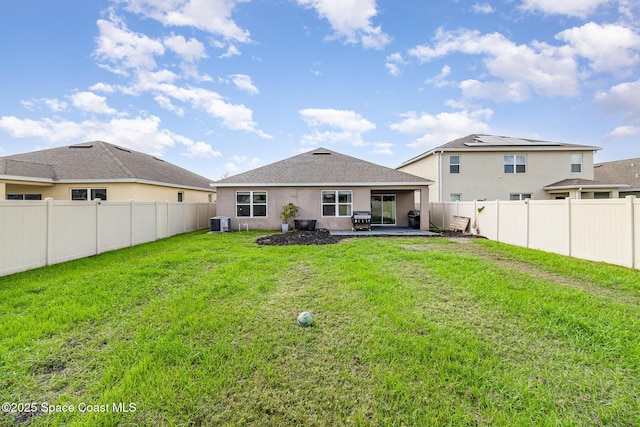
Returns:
(122,149)
(321,153)
(160,160)
(81,146)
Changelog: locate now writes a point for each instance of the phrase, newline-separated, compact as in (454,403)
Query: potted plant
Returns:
(288,211)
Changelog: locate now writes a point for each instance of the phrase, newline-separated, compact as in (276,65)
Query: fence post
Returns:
(49,229)
(569,237)
(497,220)
(131,220)
(527,202)
(97,207)
(632,251)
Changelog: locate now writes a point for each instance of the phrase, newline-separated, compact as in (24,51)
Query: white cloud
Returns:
(232,51)
(382,148)
(140,133)
(241,163)
(484,8)
(623,98)
(579,8)
(608,47)
(351,19)
(343,119)
(189,50)
(121,50)
(52,104)
(92,103)
(537,68)
(199,149)
(103,87)
(441,79)
(213,16)
(622,132)
(394,61)
(345,126)
(243,82)
(443,127)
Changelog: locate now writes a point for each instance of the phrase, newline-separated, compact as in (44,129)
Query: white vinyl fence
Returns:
(606,230)
(38,233)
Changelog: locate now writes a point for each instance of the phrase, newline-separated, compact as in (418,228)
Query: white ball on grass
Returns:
(305,319)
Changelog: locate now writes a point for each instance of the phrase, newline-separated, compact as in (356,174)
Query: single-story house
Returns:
(98,170)
(327,187)
(624,171)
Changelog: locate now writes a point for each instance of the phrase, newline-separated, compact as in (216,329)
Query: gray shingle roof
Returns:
(322,166)
(580,182)
(98,160)
(622,171)
(481,142)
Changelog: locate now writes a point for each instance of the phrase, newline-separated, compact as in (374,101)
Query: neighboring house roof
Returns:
(322,167)
(99,162)
(481,142)
(576,183)
(625,171)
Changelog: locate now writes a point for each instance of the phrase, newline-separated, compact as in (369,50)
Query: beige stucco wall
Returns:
(482,174)
(115,191)
(309,201)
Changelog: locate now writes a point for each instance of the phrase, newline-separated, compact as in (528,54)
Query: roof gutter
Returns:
(321,184)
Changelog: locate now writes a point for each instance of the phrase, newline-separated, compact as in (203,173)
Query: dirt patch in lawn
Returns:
(324,237)
(318,237)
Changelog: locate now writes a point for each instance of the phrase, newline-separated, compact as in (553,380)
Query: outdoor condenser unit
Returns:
(220,223)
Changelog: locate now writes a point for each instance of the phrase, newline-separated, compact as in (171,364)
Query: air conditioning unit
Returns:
(220,224)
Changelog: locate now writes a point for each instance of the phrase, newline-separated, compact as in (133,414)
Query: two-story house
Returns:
(491,167)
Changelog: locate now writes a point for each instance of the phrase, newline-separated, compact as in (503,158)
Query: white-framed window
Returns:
(454,163)
(14,196)
(519,196)
(337,202)
(576,163)
(515,163)
(88,193)
(455,197)
(251,204)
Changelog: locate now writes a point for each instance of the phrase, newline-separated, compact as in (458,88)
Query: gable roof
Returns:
(97,161)
(322,167)
(482,142)
(625,171)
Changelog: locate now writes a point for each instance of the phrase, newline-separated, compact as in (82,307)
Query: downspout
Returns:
(440,199)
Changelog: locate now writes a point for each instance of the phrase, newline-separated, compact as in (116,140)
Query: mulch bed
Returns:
(323,237)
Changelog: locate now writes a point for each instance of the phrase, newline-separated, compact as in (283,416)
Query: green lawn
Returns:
(201,330)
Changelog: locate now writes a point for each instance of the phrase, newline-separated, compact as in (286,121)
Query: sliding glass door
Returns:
(383,209)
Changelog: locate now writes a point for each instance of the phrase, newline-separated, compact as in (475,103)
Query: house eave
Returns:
(49,181)
(324,184)
(585,187)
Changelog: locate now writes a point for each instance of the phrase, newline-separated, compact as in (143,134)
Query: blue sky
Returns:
(223,86)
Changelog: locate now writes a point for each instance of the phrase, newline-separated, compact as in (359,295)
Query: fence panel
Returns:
(23,236)
(600,231)
(72,228)
(114,222)
(549,226)
(512,221)
(144,220)
(38,233)
(606,230)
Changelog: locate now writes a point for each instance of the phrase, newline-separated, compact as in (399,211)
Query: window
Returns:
(454,164)
(576,163)
(88,193)
(180,196)
(336,202)
(455,197)
(519,196)
(24,196)
(515,163)
(251,204)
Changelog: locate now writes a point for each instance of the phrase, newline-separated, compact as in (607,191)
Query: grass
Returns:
(201,330)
